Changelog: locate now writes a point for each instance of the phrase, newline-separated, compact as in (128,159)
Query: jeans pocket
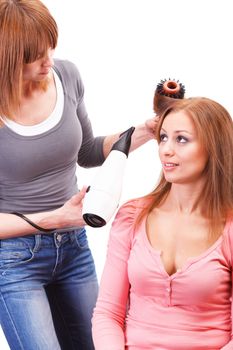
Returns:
(16,251)
(81,239)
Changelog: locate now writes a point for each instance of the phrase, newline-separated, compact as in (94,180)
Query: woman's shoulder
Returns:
(229,228)
(127,215)
(228,239)
(133,206)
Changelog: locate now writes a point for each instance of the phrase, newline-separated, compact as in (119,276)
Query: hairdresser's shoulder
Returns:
(70,78)
(66,68)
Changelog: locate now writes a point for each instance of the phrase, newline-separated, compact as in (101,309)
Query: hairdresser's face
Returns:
(39,69)
(181,153)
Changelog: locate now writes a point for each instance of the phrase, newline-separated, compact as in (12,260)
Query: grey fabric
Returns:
(38,173)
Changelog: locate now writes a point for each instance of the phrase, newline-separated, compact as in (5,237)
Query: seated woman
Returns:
(167,281)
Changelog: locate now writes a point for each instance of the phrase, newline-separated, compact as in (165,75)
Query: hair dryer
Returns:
(167,91)
(103,196)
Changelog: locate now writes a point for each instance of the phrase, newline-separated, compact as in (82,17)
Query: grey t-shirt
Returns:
(38,173)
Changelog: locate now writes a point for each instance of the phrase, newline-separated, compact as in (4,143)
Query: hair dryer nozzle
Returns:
(124,142)
(94,220)
(167,91)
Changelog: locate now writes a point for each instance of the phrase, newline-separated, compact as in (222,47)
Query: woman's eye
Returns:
(182,139)
(163,137)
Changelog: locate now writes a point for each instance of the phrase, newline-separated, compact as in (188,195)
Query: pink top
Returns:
(189,310)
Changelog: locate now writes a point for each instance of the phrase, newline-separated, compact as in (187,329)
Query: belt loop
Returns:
(73,235)
(37,242)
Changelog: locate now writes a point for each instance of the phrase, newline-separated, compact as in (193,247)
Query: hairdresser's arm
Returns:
(110,311)
(69,215)
(142,134)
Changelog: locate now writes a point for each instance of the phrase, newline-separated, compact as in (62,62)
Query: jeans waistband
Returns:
(46,239)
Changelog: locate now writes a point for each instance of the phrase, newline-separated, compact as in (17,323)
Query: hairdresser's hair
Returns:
(27,31)
(214,127)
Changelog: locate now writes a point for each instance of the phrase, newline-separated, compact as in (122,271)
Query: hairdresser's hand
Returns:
(143,133)
(151,125)
(71,212)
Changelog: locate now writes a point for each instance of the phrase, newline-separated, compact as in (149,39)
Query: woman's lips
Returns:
(169,165)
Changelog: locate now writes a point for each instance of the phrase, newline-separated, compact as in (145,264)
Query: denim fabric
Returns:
(48,289)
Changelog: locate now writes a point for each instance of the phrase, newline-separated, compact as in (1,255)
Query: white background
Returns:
(123,48)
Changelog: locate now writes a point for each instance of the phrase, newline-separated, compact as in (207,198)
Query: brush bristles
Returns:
(167,91)
(171,88)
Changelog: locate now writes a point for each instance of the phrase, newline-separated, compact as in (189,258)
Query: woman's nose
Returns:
(48,59)
(168,148)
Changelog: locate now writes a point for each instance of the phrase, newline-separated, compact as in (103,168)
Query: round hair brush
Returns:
(167,91)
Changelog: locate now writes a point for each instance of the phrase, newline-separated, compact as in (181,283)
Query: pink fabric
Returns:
(190,309)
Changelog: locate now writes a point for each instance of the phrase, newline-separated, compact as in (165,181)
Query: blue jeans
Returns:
(48,289)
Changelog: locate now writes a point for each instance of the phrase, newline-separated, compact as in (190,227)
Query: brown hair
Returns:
(27,30)
(214,127)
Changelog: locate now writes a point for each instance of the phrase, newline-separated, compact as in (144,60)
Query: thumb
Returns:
(78,197)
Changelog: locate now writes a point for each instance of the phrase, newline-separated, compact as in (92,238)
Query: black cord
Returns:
(32,223)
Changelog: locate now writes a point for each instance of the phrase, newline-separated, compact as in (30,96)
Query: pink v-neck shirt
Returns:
(141,307)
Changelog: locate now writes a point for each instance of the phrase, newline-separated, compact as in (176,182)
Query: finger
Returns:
(84,190)
(78,197)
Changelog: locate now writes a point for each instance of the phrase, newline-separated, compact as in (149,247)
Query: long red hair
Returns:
(27,29)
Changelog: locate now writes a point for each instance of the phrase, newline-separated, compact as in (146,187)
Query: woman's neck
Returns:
(184,198)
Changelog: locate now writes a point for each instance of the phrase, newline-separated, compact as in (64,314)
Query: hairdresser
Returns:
(48,284)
